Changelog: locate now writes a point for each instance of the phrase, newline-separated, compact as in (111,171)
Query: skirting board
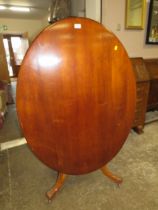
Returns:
(151,116)
(13,143)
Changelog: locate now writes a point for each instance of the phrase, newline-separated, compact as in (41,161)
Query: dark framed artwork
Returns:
(152,28)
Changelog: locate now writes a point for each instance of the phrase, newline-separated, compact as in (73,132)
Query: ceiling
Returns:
(39,8)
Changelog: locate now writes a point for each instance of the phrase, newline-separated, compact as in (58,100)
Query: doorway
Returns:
(15,46)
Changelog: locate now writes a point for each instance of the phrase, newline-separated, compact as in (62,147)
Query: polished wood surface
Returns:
(59,183)
(152,68)
(142,90)
(76,96)
(118,180)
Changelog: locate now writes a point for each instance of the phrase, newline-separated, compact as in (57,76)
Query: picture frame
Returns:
(135,13)
(152,27)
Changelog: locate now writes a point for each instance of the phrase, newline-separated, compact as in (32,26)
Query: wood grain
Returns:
(76,96)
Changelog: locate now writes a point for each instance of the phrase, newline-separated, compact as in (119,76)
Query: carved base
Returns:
(139,129)
(59,183)
(61,179)
(110,175)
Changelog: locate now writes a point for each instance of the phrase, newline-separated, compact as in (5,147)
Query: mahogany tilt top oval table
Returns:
(76,97)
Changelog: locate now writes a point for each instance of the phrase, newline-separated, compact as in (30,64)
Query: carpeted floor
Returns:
(11,129)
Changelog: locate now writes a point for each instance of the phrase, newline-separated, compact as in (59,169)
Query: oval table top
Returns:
(76,96)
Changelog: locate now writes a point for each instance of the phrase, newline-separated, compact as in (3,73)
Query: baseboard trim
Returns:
(12,144)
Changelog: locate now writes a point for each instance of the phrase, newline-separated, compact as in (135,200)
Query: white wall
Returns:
(93,9)
(113,17)
(86,8)
(33,27)
(44,22)
(77,7)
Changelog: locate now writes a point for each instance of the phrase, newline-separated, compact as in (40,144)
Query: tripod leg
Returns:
(59,183)
(110,175)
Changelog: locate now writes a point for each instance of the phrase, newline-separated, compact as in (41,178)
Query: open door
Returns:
(4,73)
(16,46)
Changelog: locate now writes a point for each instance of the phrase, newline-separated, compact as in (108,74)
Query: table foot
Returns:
(139,129)
(110,175)
(59,183)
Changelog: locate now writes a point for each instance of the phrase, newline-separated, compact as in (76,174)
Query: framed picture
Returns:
(152,29)
(135,12)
